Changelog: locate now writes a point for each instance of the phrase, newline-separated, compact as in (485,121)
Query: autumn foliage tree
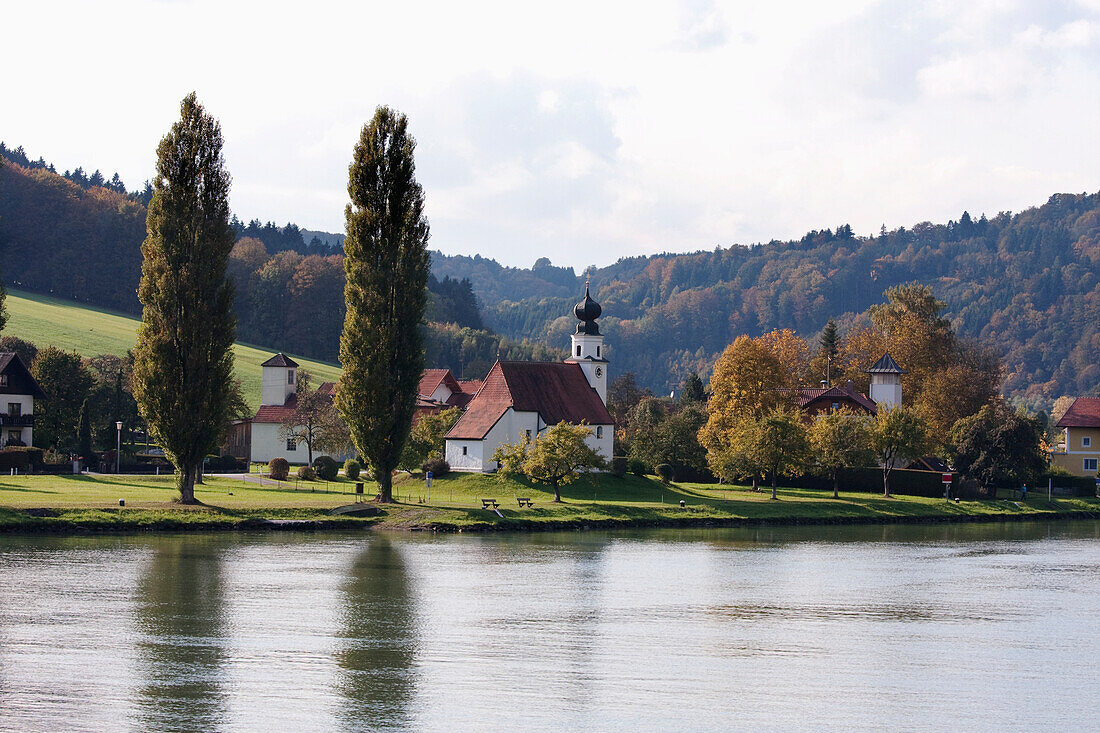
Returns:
(183,361)
(749,380)
(840,439)
(556,457)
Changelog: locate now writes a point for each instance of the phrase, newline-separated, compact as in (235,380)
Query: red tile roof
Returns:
(1083,413)
(558,391)
(276,413)
(430,379)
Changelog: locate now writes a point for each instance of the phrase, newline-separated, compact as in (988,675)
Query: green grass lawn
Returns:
(91,331)
(455,503)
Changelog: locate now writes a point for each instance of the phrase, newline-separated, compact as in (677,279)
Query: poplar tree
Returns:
(183,363)
(386,263)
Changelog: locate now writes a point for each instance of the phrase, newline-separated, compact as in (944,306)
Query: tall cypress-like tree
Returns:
(829,349)
(386,262)
(183,363)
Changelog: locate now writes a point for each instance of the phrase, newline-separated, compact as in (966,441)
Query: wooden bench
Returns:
(489,504)
(523,501)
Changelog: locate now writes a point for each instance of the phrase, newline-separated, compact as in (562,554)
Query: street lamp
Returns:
(118,446)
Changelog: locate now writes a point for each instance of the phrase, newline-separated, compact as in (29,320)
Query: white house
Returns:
(522,399)
(278,399)
(17,392)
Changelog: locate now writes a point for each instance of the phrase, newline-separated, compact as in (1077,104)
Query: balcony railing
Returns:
(16,421)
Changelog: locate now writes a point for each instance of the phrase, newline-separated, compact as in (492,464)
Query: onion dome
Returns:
(587,311)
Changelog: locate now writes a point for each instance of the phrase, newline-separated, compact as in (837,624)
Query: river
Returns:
(968,627)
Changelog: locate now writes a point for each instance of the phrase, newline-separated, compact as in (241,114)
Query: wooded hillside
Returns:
(1025,285)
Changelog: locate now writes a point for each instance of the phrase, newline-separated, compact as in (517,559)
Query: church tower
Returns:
(886,381)
(587,344)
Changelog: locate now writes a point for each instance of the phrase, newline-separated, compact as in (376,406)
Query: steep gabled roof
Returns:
(11,363)
(886,365)
(1083,413)
(557,391)
(280,360)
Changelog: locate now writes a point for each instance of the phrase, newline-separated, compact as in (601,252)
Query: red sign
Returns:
(946,478)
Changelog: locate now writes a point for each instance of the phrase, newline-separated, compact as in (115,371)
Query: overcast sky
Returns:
(585,131)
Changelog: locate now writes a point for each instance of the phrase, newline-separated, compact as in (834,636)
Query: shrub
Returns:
(53,457)
(305,473)
(222,464)
(326,467)
(351,469)
(664,472)
(278,469)
(437,466)
(637,467)
(618,466)
(16,458)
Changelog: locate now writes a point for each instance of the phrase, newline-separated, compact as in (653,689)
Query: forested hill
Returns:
(1024,284)
(64,235)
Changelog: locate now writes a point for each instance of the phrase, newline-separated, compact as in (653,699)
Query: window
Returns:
(15,409)
(290,376)
(291,444)
(597,351)
(599,428)
(1089,465)
(578,350)
(3,380)
(1086,442)
(464,447)
(15,436)
(836,405)
(528,431)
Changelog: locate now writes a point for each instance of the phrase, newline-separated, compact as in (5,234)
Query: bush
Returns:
(305,473)
(664,472)
(278,469)
(637,467)
(16,458)
(326,467)
(351,469)
(437,466)
(223,464)
(618,466)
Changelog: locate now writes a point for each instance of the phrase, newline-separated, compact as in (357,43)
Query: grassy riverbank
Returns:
(91,503)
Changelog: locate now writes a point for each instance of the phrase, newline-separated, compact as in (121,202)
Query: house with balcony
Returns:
(18,389)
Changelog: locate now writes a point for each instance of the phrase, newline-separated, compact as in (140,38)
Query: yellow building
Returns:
(1082,425)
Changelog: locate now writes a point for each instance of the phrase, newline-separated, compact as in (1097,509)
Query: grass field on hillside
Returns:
(90,331)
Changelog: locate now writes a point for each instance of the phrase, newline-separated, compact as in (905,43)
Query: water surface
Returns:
(979,627)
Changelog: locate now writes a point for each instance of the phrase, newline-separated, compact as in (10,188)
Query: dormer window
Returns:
(290,376)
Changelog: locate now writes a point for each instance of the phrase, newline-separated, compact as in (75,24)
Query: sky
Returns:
(584,131)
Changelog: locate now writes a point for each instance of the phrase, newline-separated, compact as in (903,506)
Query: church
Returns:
(520,400)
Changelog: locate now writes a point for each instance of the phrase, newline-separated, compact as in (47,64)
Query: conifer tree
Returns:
(183,364)
(829,349)
(386,263)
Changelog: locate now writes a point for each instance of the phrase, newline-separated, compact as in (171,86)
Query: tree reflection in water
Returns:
(379,640)
(181,653)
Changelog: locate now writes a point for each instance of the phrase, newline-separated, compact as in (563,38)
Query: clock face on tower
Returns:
(599,371)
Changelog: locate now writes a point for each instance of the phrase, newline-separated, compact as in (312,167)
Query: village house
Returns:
(439,390)
(261,438)
(17,392)
(1082,429)
(885,390)
(520,400)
